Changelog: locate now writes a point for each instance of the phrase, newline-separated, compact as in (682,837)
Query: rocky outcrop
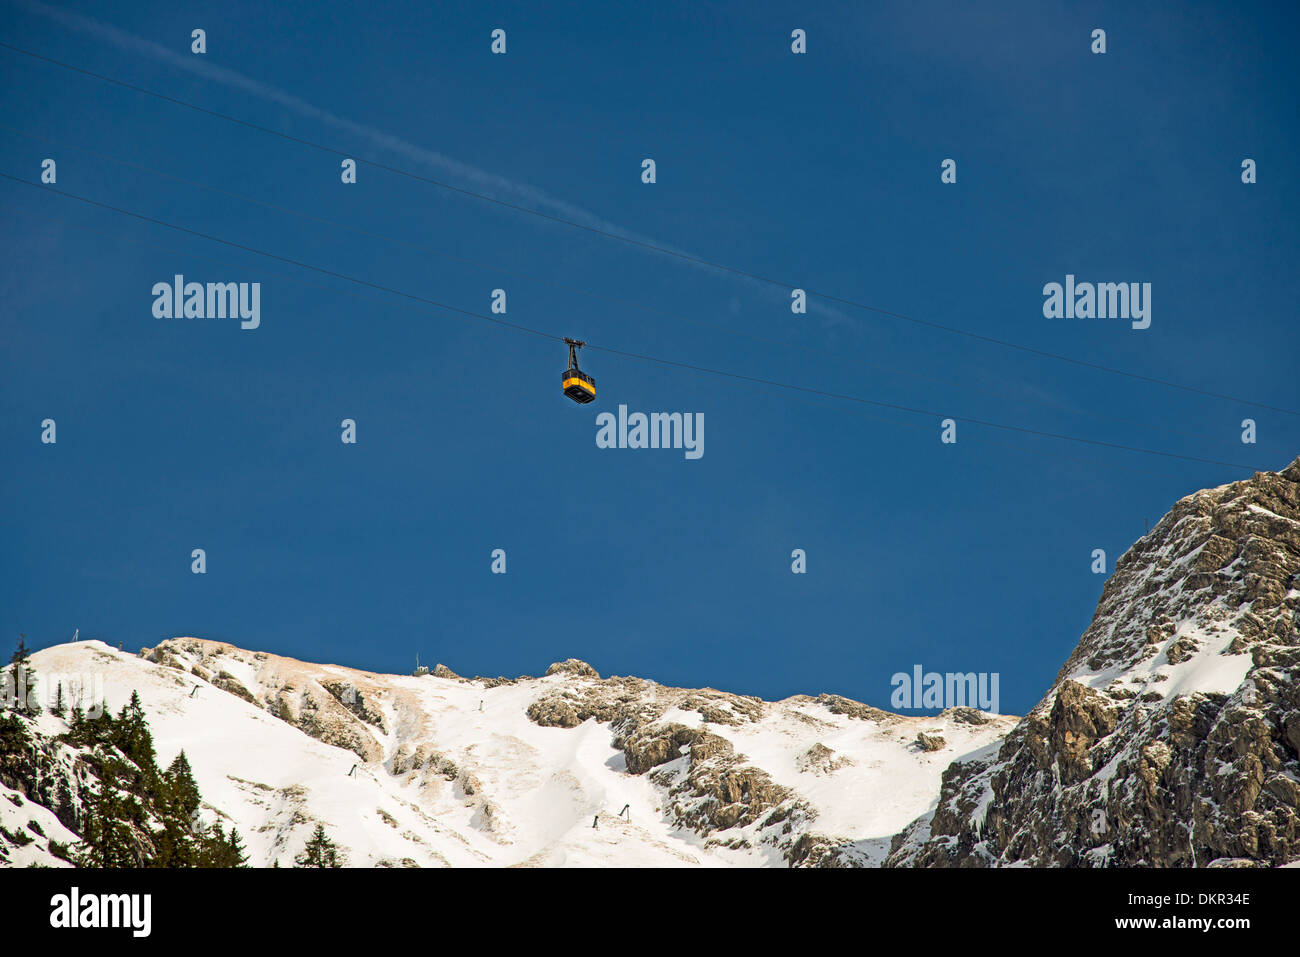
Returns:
(1171,736)
(854,709)
(354,701)
(573,666)
(711,789)
(965,715)
(609,700)
(229,683)
(819,759)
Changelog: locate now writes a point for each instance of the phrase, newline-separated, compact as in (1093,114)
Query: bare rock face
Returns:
(647,748)
(573,666)
(228,682)
(605,700)
(354,700)
(1171,736)
(854,709)
(819,759)
(710,788)
(966,715)
(930,742)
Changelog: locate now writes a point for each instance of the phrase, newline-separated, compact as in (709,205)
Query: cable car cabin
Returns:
(578,386)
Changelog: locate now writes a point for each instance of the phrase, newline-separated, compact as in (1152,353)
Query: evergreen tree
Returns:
(222,851)
(76,723)
(15,749)
(133,737)
(14,738)
(184,791)
(59,707)
(212,847)
(237,856)
(137,815)
(117,819)
(175,845)
(319,852)
(23,676)
(65,807)
(100,729)
(105,835)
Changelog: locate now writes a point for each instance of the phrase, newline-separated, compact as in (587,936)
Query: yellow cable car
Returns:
(578,386)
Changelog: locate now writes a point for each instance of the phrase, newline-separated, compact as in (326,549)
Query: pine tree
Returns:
(175,845)
(118,818)
(76,723)
(89,732)
(212,847)
(90,852)
(14,738)
(105,834)
(133,737)
(319,852)
(137,815)
(23,676)
(184,791)
(221,851)
(15,749)
(237,855)
(59,707)
(65,808)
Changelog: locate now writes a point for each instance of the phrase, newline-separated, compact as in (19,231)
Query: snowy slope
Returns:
(25,820)
(461,772)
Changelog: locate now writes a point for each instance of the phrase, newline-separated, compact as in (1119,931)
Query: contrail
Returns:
(487,181)
(265,91)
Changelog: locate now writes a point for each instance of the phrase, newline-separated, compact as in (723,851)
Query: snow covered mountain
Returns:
(1171,737)
(443,770)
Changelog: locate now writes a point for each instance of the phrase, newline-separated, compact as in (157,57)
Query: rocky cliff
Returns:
(1171,737)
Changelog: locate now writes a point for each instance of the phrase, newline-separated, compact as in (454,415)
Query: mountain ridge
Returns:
(503,771)
(1170,737)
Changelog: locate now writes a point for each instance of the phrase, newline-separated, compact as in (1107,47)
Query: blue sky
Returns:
(820,170)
